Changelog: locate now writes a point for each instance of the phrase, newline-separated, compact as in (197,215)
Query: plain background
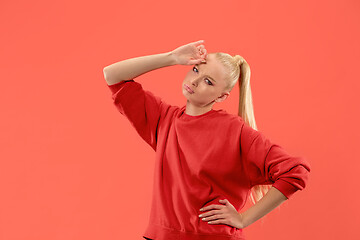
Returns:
(72,167)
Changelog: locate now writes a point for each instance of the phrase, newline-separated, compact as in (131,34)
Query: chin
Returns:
(186,94)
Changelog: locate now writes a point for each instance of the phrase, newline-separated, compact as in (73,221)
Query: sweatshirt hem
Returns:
(158,232)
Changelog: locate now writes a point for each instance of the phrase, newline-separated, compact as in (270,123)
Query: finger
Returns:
(217,221)
(215,218)
(201,52)
(212,206)
(203,56)
(195,61)
(198,42)
(208,207)
(226,202)
(201,49)
(211,213)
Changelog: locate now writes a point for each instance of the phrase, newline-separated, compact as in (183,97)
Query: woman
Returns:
(207,161)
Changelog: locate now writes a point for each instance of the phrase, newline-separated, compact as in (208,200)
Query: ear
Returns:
(222,97)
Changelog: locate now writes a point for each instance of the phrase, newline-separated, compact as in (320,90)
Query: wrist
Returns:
(172,58)
(241,221)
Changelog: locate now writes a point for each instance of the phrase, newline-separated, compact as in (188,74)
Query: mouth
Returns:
(188,88)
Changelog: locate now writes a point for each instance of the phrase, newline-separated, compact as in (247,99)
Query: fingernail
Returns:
(201,209)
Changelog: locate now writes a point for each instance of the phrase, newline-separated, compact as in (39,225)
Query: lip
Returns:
(188,88)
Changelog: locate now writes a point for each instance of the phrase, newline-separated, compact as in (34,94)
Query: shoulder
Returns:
(230,123)
(231,119)
(237,124)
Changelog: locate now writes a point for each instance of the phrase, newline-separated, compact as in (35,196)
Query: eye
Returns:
(209,82)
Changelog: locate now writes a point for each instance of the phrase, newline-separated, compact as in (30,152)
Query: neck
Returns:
(196,110)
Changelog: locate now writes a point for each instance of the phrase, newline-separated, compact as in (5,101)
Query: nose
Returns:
(194,81)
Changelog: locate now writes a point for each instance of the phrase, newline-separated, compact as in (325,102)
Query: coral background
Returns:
(72,167)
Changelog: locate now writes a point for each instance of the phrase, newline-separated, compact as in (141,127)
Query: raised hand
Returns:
(190,54)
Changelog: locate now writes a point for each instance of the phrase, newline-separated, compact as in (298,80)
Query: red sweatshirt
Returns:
(200,160)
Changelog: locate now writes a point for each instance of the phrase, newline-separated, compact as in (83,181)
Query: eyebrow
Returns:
(197,65)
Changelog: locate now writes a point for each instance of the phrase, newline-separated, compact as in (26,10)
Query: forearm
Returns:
(134,67)
(271,200)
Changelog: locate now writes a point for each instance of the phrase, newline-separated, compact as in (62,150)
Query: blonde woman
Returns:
(208,162)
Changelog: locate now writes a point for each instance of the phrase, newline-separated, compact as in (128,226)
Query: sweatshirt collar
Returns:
(183,116)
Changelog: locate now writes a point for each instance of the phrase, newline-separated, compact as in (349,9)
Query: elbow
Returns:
(106,76)
(104,72)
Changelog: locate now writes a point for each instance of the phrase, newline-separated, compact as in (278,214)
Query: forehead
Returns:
(213,68)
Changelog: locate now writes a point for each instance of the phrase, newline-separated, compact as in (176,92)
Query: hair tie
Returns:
(240,60)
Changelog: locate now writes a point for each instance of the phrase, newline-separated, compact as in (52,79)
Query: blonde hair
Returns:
(239,71)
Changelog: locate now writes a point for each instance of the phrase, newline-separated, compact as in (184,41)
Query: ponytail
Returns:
(246,112)
(239,71)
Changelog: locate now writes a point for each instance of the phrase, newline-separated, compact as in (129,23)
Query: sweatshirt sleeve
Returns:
(141,107)
(268,163)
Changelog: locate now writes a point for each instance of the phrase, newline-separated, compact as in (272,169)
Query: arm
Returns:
(269,163)
(141,107)
(191,53)
(270,201)
(134,67)
(227,214)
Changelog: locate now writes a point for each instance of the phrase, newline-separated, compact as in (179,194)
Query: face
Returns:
(207,82)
